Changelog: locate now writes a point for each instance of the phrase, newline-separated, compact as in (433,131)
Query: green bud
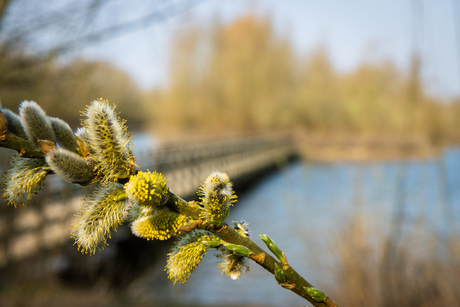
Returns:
(315,294)
(279,275)
(238,249)
(273,247)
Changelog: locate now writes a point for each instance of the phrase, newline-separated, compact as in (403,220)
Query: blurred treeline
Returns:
(237,77)
(244,76)
(64,89)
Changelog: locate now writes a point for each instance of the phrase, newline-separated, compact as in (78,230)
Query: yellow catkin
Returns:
(216,196)
(160,226)
(101,212)
(147,188)
(109,141)
(186,255)
(24,178)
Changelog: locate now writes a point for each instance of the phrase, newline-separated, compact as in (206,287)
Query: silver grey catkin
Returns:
(14,124)
(64,135)
(36,124)
(69,166)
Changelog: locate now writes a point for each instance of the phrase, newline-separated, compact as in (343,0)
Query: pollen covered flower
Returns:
(102,211)
(147,188)
(232,265)
(109,141)
(24,178)
(216,196)
(187,253)
(160,225)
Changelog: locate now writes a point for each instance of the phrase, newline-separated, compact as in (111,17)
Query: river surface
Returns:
(306,207)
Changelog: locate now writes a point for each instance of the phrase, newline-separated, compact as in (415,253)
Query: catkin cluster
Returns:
(99,153)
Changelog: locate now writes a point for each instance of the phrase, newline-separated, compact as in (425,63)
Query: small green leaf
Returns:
(238,249)
(279,275)
(273,247)
(315,294)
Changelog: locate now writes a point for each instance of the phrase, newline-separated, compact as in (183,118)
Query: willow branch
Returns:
(22,146)
(295,282)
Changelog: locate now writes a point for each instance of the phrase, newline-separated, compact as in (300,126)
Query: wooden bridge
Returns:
(45,224)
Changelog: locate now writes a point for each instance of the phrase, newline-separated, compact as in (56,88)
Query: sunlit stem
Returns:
(230,235)
(22,146)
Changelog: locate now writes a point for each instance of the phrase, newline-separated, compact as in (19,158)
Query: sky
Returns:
(352,31)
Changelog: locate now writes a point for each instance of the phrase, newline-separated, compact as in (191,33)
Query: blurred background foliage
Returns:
(238,77)
(244,77)
(64,89)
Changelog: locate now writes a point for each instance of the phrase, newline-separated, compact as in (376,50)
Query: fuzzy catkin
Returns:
(147,188)
(64,135)
(24,179)
(108,141)
(101,212)
(186,255)
(160,225)
(36,124)
(14,124)
(216,196)
(69,166)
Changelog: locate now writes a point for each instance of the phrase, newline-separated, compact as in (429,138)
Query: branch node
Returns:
(257,258)
(285,262)
(222,228)
(288,286)
(190,226)
(329,302)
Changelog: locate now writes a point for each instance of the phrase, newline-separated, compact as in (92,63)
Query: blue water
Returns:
(306,207)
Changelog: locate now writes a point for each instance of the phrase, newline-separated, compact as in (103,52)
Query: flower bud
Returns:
(14,124)
(46,146)
(69,166)
(273,248)
(64,135)
(279,274)
(36,124)
(315,294)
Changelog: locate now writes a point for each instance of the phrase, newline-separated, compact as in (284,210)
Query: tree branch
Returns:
(295,282)
(22,146)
